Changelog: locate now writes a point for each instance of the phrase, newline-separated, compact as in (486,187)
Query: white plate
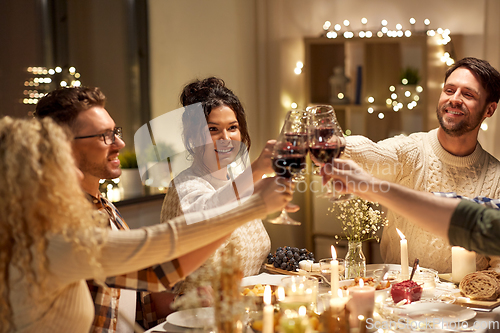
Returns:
(263,279)
(439,311)
(192,318)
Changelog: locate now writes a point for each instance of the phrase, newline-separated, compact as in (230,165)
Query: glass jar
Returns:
(355,261)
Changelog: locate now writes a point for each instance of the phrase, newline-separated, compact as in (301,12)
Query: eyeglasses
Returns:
(109,136)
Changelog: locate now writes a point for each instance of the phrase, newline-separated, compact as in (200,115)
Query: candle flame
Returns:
(267,295)
(339,292)
(361,283)
(334,253)
(400,234)
(281,293)
(302,311)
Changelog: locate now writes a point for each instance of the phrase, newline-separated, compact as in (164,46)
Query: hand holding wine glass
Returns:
(289,157)
(326,142)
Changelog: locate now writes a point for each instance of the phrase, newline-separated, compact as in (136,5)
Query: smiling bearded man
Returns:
(446,159)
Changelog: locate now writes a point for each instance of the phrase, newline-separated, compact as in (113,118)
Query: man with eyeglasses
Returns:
(96,145)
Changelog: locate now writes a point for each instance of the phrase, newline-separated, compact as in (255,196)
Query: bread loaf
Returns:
(480,286)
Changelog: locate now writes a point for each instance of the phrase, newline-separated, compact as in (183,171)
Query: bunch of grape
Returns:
(287,258)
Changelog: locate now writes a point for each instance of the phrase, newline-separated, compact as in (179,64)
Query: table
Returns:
(486,322)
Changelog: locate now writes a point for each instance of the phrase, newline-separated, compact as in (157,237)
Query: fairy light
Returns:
(293,105)
(381,115)
(370,110)
(346,23)
(384,22)
(427,22)
(399,26)
(331,34)
(371,99)
(484,126)
(364,20)
(327,25)
(337,27)
(45,79)
(298,67)
(413,21)
(369,34)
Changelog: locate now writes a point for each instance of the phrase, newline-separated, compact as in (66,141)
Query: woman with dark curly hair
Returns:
(218,144)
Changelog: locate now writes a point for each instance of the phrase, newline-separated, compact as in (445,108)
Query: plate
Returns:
(439,311)
(263,279)
(192,318)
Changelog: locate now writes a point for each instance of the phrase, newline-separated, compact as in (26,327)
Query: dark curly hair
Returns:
(211,93)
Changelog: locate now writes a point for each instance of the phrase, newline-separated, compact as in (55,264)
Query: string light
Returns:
(47,79)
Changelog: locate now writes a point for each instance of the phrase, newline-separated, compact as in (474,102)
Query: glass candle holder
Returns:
(325,267)
(299,290)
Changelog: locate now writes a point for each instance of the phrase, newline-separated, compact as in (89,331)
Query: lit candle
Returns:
(463,262)
(362,302)
(268,320)
(334,269)
(405,275)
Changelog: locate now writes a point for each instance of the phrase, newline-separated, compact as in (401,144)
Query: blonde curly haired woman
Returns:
(51,242)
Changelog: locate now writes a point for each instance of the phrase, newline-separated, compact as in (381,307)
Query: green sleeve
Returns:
(475,228)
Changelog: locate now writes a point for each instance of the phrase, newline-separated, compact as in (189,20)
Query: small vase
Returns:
(355,261)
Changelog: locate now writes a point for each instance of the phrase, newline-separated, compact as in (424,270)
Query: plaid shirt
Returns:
(490,203)
(155,279)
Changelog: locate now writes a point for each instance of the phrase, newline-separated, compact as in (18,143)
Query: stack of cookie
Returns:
(482,285)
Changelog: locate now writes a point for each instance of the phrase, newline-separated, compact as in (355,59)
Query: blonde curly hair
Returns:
(40,193)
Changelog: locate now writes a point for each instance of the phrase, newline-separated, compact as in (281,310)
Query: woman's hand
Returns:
(276,192)
(263,165)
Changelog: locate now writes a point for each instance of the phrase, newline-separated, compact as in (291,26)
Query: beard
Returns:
(462,127)
(99,169)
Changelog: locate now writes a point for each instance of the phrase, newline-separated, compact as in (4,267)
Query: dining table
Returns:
(469,318)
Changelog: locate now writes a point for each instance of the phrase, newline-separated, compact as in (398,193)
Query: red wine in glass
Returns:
(288,163)
(325,152)
(296,138)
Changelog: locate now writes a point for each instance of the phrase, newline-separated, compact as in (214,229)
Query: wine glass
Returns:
(326,142)
(289,157)
(297,131)
(317,110)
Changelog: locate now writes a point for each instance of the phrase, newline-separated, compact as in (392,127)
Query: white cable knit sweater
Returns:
(196,191)
(419,161)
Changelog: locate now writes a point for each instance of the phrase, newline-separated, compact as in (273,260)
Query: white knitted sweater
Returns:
(196,191)
(419,161)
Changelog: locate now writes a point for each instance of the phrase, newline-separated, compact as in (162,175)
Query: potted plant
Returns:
(130,179)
